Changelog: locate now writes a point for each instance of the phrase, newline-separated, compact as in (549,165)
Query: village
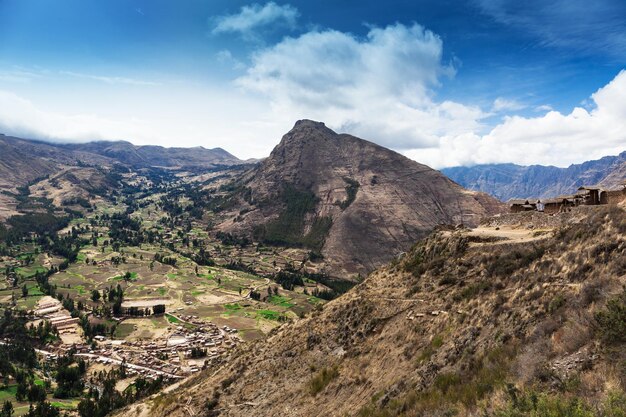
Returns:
(584,196)
(185,347)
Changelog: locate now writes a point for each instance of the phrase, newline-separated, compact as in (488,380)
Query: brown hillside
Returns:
(366,203)
(463,324)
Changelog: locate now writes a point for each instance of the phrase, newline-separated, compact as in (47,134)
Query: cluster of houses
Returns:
(51,309)
(585,196)
(169,356)
(172,356)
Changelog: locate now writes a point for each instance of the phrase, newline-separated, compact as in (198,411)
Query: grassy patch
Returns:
(171,318)
(270,315)
(123,330)
(70,405)
(232,308)
(132,277)
(29,272)
(319,381)
(314,300)
(451,390)
(612,321)
(430,350)
(8,393)
(530,404)
(281,301)
(34,291)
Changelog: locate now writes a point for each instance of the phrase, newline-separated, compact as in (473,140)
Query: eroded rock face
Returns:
(379,201)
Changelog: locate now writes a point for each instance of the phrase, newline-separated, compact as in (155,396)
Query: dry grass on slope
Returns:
(449,329)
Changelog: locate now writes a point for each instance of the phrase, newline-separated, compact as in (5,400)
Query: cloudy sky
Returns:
(445,82)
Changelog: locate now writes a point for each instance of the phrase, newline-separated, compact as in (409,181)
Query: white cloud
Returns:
(109,79)
(19,75)
(226,57)
(543,108)
(379,87)
(256,16)
(21,117)
(589,26)
(155,117)
(552,139)
(505,105)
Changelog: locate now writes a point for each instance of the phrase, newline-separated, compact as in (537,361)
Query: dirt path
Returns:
(502,235)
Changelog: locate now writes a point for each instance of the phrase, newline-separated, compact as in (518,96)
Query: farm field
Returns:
(140,280)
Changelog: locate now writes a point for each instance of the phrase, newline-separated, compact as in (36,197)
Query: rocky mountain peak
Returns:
(356,202)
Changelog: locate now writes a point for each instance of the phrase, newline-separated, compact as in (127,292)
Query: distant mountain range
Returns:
(507,181)
(66,172)
(157,156)
(350,201)
(23,160)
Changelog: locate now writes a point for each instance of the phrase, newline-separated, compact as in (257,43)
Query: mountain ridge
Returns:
(507,181)
(366,203)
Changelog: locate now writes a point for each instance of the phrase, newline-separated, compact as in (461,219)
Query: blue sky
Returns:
(445,82)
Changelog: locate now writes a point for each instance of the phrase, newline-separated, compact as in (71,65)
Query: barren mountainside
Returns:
(22,161)
(507,181)
(466,323)
(357,203)
(146,156)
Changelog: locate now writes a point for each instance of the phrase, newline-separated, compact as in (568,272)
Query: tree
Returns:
(95,295)
(36,393)
(43,409)
(611,322)
(7,409)
(22,391)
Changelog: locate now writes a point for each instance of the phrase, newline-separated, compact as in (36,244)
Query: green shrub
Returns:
(318,382)
(504,264)
(473,290)
(543,405)
(534,404)
(615,404)
(351,190)
(288,228)
(556,303)
(611,322)
(430,350)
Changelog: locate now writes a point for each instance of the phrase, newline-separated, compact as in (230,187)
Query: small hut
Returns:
(592,195)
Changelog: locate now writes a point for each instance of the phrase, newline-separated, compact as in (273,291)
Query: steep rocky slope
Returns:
(22,161)
(358,203)
(506,181)
(26,162)
(463,324)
